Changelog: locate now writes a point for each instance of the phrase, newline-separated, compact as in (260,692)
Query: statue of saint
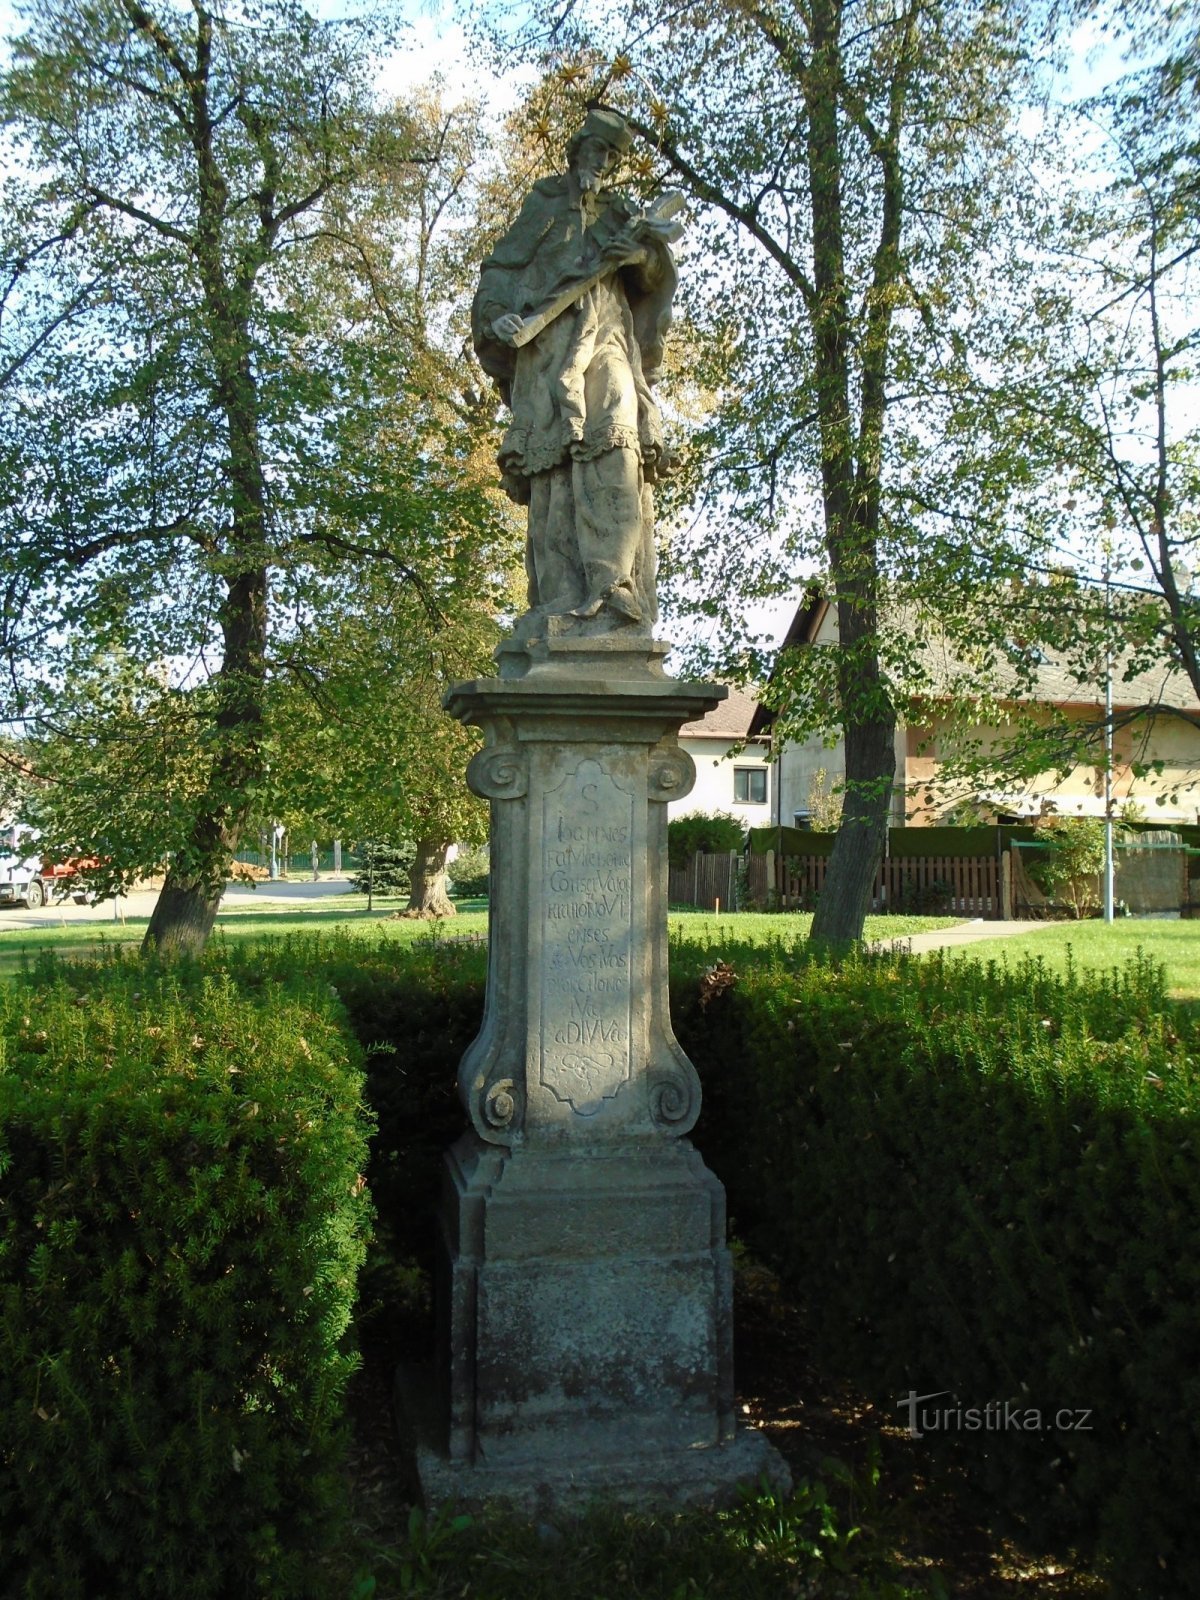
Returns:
(572,309)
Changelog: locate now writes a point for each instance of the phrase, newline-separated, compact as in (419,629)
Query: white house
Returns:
(1156,757)
(733,771)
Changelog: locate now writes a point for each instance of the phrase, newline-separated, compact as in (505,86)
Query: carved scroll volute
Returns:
(494,1101)
(674,1088)
(493,1107)
(674,1092)
(672,773)
(498,772)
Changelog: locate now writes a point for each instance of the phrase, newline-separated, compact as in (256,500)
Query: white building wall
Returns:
(714,790)
(797,767)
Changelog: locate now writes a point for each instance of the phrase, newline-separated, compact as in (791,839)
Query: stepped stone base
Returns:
(566,1482)
(586,1343)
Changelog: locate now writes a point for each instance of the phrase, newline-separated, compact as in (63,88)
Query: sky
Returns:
(435,42)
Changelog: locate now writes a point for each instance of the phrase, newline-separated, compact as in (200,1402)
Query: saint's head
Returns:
(597,147)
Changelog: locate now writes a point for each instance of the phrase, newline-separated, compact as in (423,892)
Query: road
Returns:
(141,903)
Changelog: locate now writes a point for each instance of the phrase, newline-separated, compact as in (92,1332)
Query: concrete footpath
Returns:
(964,933)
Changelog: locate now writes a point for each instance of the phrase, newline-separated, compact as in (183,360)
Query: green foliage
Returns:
(1101,946)
(1121,370)
(824,803)
(859,291)
(470,872)
(715,835)
(414,1009)
(244,473)
(985,1181)
(887,205)
(766,1546)
(385,866)
(1068,866)
(182,1218)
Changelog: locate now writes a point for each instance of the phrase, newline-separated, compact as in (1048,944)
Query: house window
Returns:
(750,786)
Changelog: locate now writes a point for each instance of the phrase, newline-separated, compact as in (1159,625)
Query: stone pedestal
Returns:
(585,1339)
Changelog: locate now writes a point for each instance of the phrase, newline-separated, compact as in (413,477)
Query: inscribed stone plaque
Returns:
(587,838)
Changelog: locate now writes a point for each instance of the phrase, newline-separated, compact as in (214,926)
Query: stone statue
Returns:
(585,1292)
(572,309)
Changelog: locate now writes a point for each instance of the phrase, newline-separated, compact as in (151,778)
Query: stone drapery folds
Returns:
(570,318)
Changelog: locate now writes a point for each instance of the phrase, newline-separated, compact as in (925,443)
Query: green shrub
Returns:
(414,1010)
(181,1222)
(716,835)
(470,873)
(984,1182)
(1067,869)
(385,866)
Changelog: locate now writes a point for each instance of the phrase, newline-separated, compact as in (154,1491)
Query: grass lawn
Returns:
(1176,945)
(785,927)
(273,919)
(348,913)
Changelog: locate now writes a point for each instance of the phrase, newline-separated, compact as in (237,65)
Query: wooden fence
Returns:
(705,881)
(968,886)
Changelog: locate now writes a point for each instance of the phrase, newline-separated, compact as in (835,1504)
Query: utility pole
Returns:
(1108,737)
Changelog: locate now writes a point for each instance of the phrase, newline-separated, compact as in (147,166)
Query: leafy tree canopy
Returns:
(229,381)
(859,176)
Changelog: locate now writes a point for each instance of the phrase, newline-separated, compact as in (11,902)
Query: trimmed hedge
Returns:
(717,834)
(985,1183)
(182,1218)
(980,1180)
(413,1010)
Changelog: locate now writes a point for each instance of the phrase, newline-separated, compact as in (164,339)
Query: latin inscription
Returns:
(587,842)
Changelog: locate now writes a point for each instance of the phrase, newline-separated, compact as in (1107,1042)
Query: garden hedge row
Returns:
(985,1186)
(981,1182)
(182,1216)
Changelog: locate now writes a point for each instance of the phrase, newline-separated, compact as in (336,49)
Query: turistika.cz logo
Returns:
(997,1416)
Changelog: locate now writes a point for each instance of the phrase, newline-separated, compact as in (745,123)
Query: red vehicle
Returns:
(34,880)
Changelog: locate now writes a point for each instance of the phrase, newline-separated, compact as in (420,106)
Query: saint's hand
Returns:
(626,247)
(507,327)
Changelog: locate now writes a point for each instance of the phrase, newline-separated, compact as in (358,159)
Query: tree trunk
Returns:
(187,907)
(861,837)
(428,897)
(183,917)
(851,489)
(869,727)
